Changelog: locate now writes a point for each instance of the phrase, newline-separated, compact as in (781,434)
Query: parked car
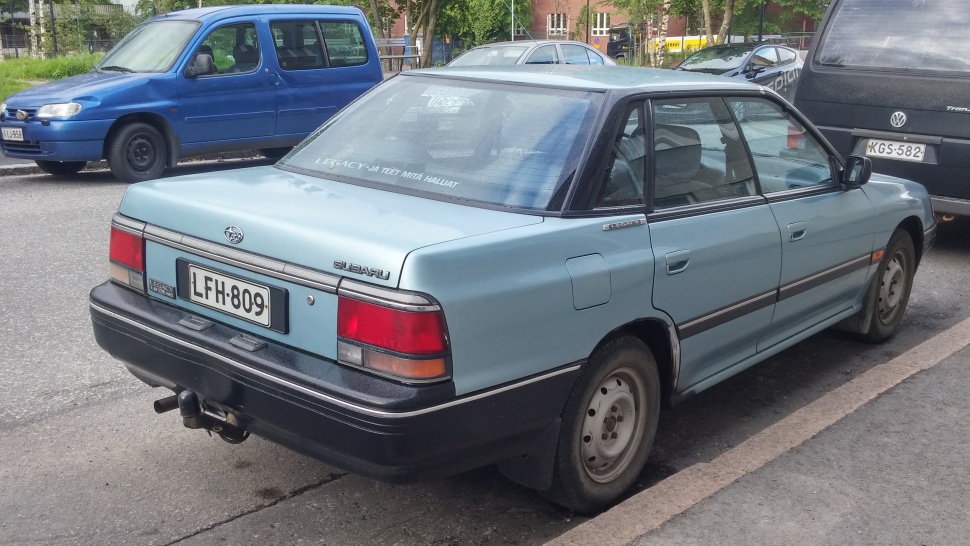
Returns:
(197,81)
(532,52)
(470,266)
(902,99)
(771,65)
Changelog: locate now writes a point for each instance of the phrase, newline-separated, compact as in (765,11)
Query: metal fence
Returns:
(76,28)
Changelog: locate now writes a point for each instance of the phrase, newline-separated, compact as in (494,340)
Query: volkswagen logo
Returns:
(897,120)
(234,235)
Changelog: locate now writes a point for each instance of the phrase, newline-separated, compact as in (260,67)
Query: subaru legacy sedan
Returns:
(520,266)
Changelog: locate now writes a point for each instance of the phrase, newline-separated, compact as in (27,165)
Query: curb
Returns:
(98,166)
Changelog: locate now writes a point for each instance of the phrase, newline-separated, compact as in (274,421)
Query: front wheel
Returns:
(61,168)
(137,152)
(891,287)
(609,424)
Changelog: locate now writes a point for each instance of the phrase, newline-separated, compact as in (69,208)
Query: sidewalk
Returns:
(893,471)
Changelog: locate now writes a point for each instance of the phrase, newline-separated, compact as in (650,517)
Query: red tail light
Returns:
(127,254)
(369,333)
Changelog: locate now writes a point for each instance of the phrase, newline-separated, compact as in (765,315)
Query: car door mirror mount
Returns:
(857,171)
(201,64)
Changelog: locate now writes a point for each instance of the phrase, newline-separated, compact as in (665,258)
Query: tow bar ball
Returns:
(190,409)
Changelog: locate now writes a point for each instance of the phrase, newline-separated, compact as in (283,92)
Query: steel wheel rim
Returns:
(892,287)
(613,425)
(141,153)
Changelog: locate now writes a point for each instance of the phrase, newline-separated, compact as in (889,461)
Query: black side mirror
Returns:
(857,170)
(201,65)
(753,70)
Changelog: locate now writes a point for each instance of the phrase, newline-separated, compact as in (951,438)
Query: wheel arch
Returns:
(914,227)
(158,122)
(662,339)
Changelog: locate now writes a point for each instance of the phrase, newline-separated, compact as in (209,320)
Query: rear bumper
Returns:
(350,419)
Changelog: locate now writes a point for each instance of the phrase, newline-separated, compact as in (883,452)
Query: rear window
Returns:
(918,35)
(506,145)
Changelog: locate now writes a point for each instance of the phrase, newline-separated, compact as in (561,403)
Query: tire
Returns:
(275,153)
(137,152)
(891,287)
(609,423)
(61,168)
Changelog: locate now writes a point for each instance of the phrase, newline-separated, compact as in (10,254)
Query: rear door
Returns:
(715,241)
(238,100)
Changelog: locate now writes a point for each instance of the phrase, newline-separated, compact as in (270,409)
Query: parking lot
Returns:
(86,460)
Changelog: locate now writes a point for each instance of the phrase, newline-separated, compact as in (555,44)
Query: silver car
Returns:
(532,52)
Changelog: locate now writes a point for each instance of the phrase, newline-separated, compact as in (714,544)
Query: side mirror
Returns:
(857,170)
(201,65)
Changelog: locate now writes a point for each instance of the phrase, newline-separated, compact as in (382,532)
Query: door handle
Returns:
(274,78)
(677,261)
(796,231)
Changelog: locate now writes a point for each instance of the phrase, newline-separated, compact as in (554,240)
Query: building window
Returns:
(556,24)
(602,25)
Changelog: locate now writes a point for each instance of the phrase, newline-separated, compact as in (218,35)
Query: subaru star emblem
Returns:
(898,119)
(234,235)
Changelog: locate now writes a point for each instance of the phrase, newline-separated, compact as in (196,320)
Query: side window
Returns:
(624,174)
(594,58)
(544,55)
(786,56)
(784,154)
(698,153)
(234,48)
(766,56)
(574,54)
(345,43)
(297,44)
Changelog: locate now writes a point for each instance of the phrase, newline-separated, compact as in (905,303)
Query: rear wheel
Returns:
(137,152)
(609,424)
(892,285)
(61,168)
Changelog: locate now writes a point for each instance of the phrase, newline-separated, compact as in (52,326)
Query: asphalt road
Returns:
(85,460)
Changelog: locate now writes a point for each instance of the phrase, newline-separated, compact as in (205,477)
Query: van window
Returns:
(297,44)
(234,48)
(345,43)
(898,34)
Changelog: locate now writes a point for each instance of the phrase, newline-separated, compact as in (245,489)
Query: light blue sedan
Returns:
(473,266)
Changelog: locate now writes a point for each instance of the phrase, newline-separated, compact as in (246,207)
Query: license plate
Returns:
(891,149)
(236,297)
(12,133)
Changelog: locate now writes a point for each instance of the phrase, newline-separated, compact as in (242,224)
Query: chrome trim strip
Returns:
(405,301)
(807,283)
(726,314)
(324,397)
(128,225)
(325,282)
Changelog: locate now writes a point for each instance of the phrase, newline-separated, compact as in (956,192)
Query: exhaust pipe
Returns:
(194,417)
(945,217)
(167,404)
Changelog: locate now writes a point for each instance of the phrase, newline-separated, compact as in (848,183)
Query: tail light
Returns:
(127,259)
(403,343)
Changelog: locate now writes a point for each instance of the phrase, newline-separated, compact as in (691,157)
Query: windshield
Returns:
(490,56)
(506,145)
(715,60)
(151,47)
(899,34)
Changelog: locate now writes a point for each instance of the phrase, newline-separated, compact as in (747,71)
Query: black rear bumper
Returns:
(347,418)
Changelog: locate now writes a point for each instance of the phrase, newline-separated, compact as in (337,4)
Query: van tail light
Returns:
(406,344)
(127,259)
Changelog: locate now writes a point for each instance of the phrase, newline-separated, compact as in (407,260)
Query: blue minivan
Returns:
(197,81)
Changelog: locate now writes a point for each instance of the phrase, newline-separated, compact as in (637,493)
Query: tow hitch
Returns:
(194,415)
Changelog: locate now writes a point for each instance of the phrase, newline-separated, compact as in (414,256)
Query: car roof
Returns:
(745,46)
(222,12)
(592,78)
(530,43)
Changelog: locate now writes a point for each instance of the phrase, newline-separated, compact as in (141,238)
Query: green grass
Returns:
(19,74)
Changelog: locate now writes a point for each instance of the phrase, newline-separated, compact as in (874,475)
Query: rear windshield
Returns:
(920,35)
(507,145)
(490,56)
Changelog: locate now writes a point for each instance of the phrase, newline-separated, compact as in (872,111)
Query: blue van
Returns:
(197,81)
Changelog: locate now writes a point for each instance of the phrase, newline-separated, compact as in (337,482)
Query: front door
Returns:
(235,102)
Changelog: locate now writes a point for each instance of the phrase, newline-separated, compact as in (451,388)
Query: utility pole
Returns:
(512,9)
(587,21)
(761,23)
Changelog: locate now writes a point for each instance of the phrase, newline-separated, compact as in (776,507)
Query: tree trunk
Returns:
(375,13)
(726,23)
(36,28)
(706,12)
(662,38)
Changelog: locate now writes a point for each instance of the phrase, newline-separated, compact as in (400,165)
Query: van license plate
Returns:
(13,133)
(890,149)
(230,295)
